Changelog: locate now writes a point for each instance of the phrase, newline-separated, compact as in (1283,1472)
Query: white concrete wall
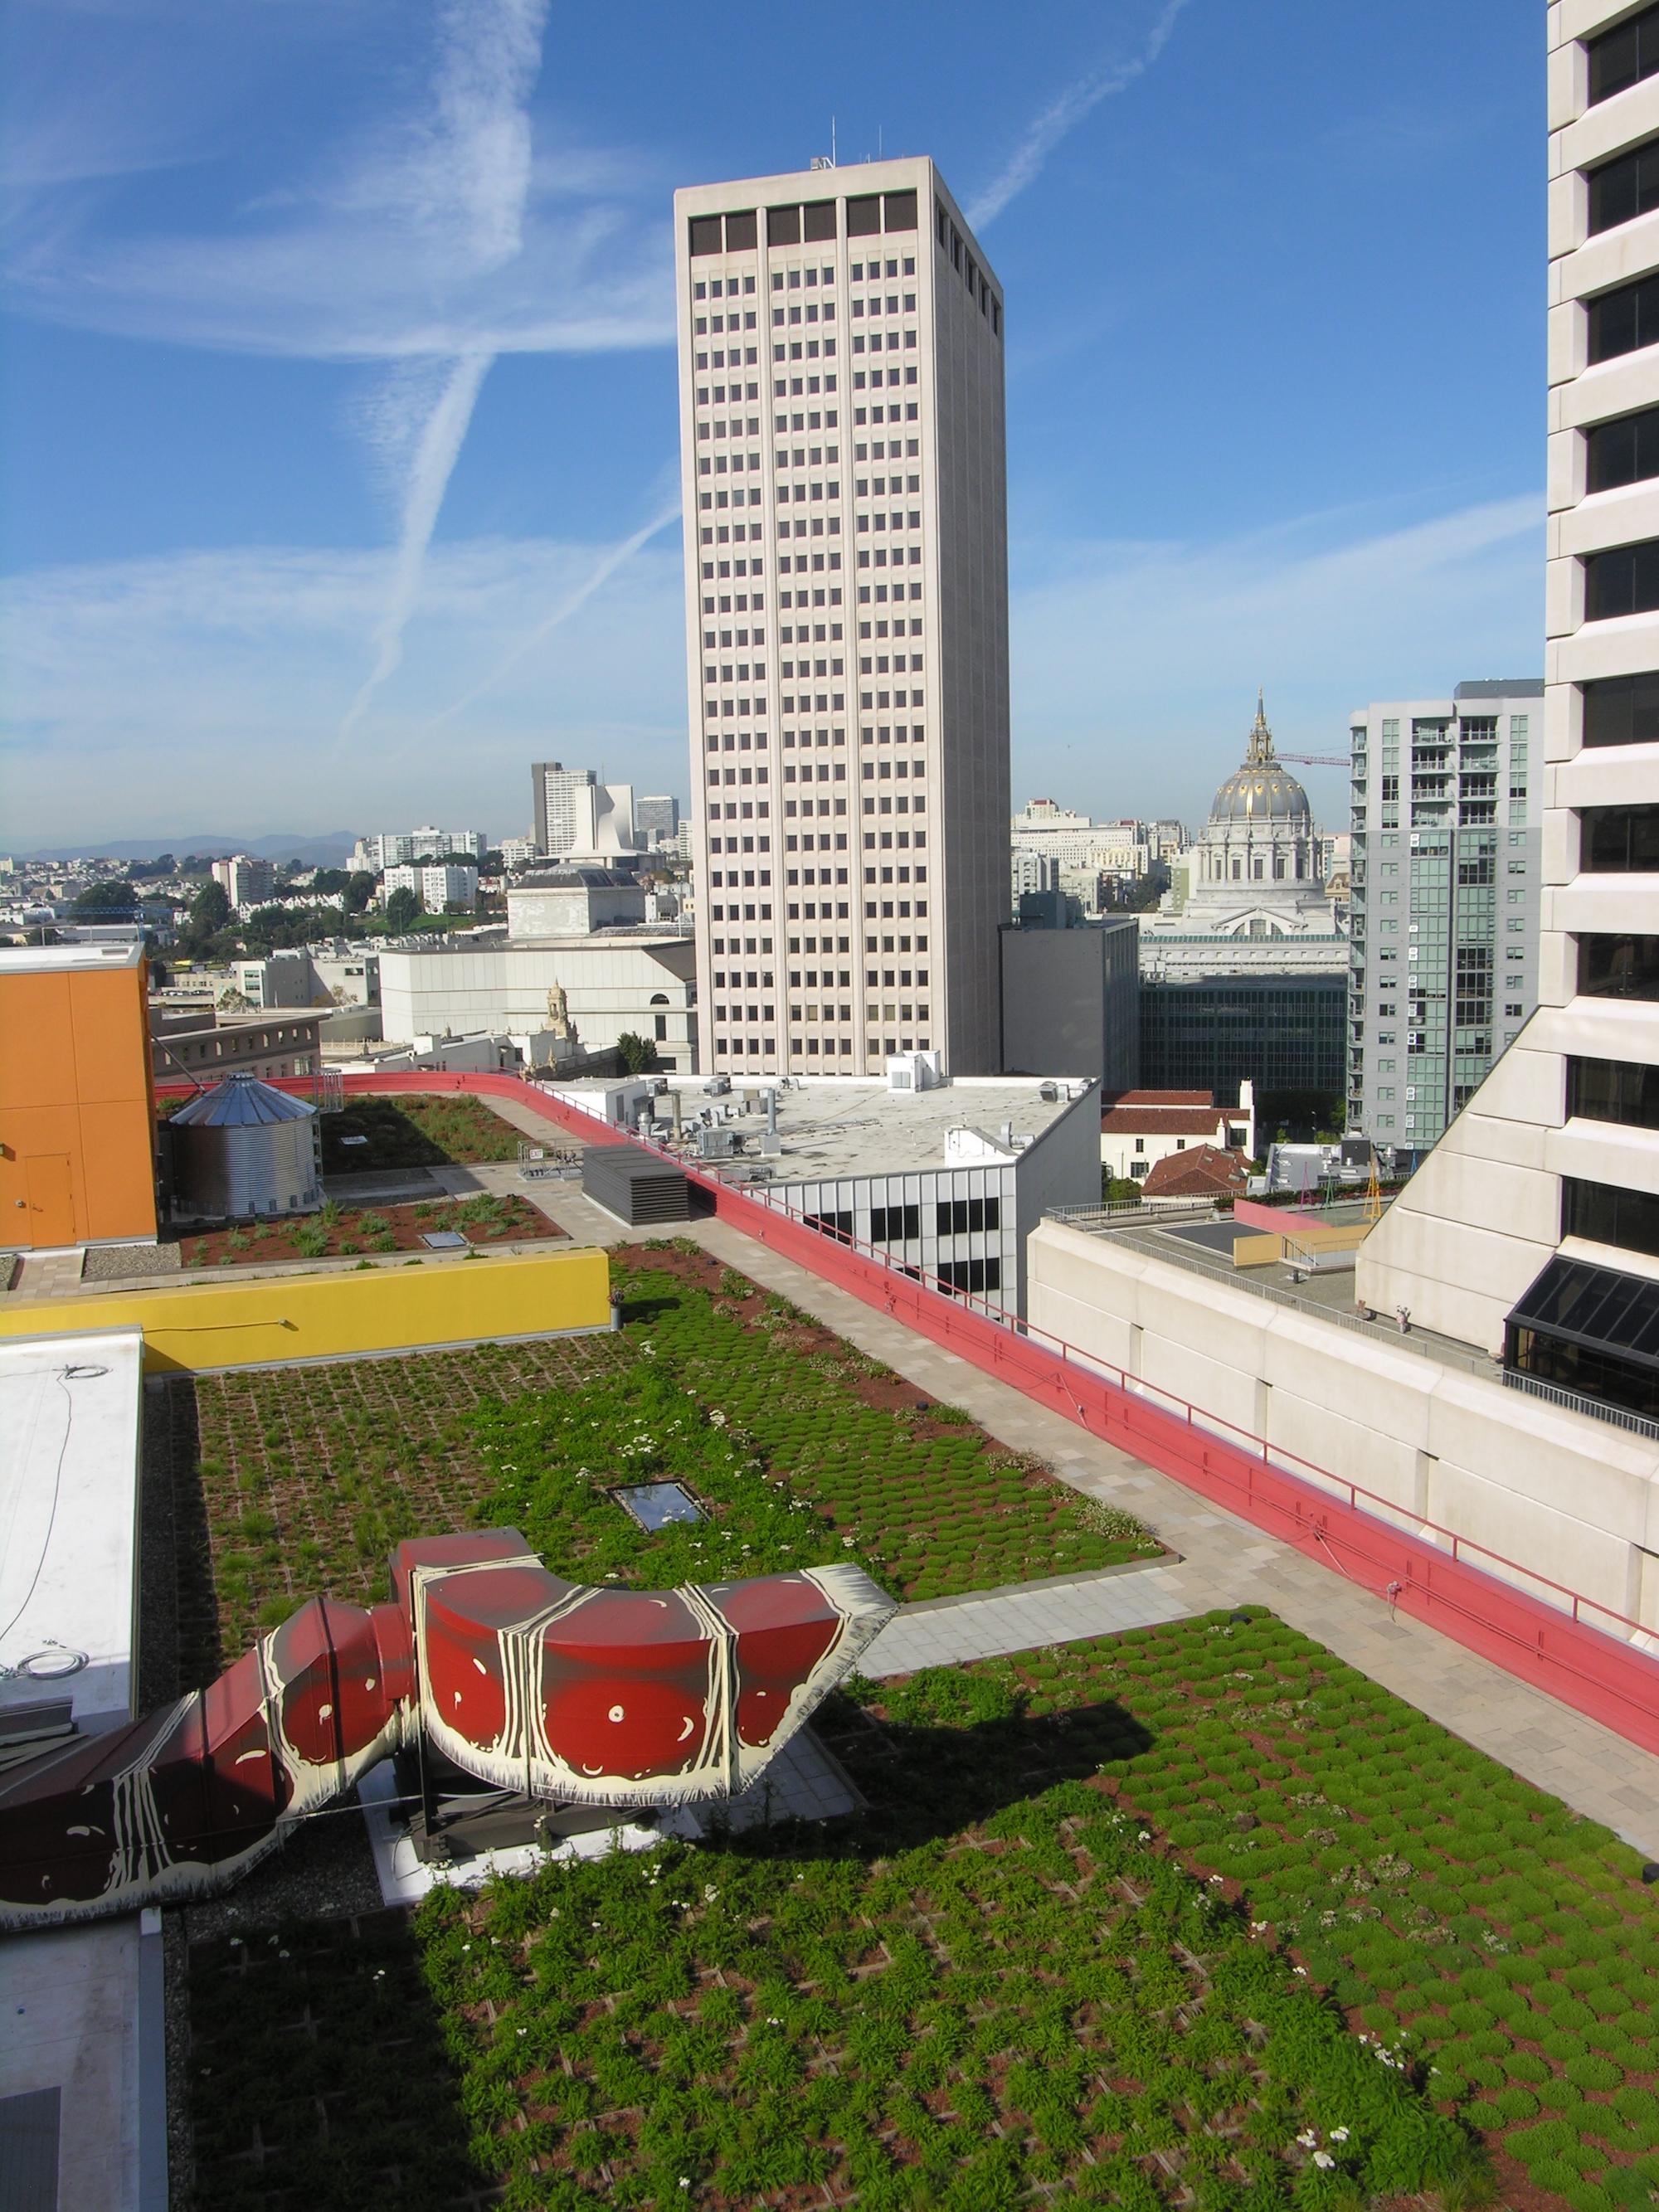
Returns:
(612,985)
(1567,1498)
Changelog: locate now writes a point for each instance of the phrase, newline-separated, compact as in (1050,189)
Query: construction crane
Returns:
(1315,760)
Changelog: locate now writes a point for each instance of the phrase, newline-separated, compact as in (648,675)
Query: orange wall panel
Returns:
(109,1020)
(74,1081)
(117,1174)
(37,1041)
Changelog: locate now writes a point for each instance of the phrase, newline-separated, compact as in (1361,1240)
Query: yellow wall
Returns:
(1266,1251)
(283,1318)
(75,1087)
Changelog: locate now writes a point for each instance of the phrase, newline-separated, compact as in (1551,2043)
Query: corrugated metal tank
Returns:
(245,1148)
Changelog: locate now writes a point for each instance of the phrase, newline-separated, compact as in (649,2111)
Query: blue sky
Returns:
(339,412)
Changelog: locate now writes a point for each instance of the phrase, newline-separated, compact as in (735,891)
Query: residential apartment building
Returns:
(842,410)
(438,884)
(1534,1227)
(246,881)
(1445,882)
(553,789)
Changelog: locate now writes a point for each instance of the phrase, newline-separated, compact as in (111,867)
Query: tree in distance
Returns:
(403,909)
(115,895)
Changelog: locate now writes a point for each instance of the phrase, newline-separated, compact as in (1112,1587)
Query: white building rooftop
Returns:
(70,1420)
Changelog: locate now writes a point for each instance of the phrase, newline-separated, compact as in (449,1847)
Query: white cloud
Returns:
(435,228)
(1135,666)
(1063,115)
(201,691)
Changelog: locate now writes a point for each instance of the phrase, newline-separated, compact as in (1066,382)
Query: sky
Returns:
(338,408)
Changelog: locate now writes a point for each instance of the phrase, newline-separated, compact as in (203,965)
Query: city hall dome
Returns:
(1263,790)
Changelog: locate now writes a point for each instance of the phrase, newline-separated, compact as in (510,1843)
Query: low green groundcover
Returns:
(997,1983)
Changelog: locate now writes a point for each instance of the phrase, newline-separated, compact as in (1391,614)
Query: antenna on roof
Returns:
(832,142)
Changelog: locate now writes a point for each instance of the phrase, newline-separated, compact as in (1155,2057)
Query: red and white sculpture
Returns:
(571,1695)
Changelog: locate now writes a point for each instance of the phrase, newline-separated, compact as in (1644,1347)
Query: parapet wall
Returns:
(1550,1493)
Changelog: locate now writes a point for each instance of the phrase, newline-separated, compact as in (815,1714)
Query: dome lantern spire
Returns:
(1261,754)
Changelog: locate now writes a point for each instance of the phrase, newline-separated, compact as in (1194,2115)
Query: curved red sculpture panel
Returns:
(621,1696)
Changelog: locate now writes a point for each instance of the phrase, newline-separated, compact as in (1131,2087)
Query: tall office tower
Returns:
(553,790)
(847,618)
(1445,903)
(1535,1221)
(656,818)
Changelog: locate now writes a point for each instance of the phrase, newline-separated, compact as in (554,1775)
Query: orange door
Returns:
(51,1202)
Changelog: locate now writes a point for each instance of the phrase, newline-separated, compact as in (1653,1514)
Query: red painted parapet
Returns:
(569,1694)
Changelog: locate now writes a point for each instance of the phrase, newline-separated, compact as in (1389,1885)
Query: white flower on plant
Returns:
(1323,2158)
(1144,1836)
(1308,2138)
(1339,2135)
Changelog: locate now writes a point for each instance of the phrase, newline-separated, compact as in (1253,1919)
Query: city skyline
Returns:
(247,437)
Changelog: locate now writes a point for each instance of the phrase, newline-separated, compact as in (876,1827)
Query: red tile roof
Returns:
(1156,1098)
(1205,1173)
(1161,1121)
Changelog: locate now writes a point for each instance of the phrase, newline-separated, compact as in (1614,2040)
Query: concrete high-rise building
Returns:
(1445,910)
(1533,1226)
(847,618)
(553,789)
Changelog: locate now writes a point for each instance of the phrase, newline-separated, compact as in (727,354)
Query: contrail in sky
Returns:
(467,181)
(606,568)
(1063,116)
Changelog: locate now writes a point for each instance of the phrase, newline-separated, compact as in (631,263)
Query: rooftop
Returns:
(834,1126)
(69,1442)
(1163,1121)
(56,959)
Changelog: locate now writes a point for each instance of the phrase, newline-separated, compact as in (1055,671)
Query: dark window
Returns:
(1625,452)
(1622,57)
(944,224)
(1621,321)
(1619,840)
(838,1225)
(705,233)
(1622,710)
(892,1224)
(1391,787)
(899,211)
(783,225)
(972,275)
(820,220)
(864,216)
(1607,1215)
(1474,974)
(1619,967)
(1476,867)
(1620,191)
(1613,1090)
(1624,581)
(742,232)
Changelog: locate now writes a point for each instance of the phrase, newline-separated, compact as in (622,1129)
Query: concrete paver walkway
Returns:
(1224,1562)
(987,1623)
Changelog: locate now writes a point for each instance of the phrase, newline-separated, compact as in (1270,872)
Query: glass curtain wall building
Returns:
(1446,866)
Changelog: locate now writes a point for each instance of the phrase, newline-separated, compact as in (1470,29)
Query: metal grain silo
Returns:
(245,1148)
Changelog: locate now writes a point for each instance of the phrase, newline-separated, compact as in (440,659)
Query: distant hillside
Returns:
(329,850)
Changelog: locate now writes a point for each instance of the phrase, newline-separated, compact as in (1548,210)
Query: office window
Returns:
(1624,580)
(1619,967)
(898,211)
(818,223)
(1622,710)
(1622,452)
(864,216)
(782,229)
(1617,840)
(1609,1215)
(1623,57)
(742,232)
(1621,190)
(1622,321)
(1620,1090)
(705,233)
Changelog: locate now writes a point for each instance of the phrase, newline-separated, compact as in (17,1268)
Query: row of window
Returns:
(811,223)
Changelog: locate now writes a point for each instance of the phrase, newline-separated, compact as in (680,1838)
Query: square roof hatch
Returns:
(657,1505)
